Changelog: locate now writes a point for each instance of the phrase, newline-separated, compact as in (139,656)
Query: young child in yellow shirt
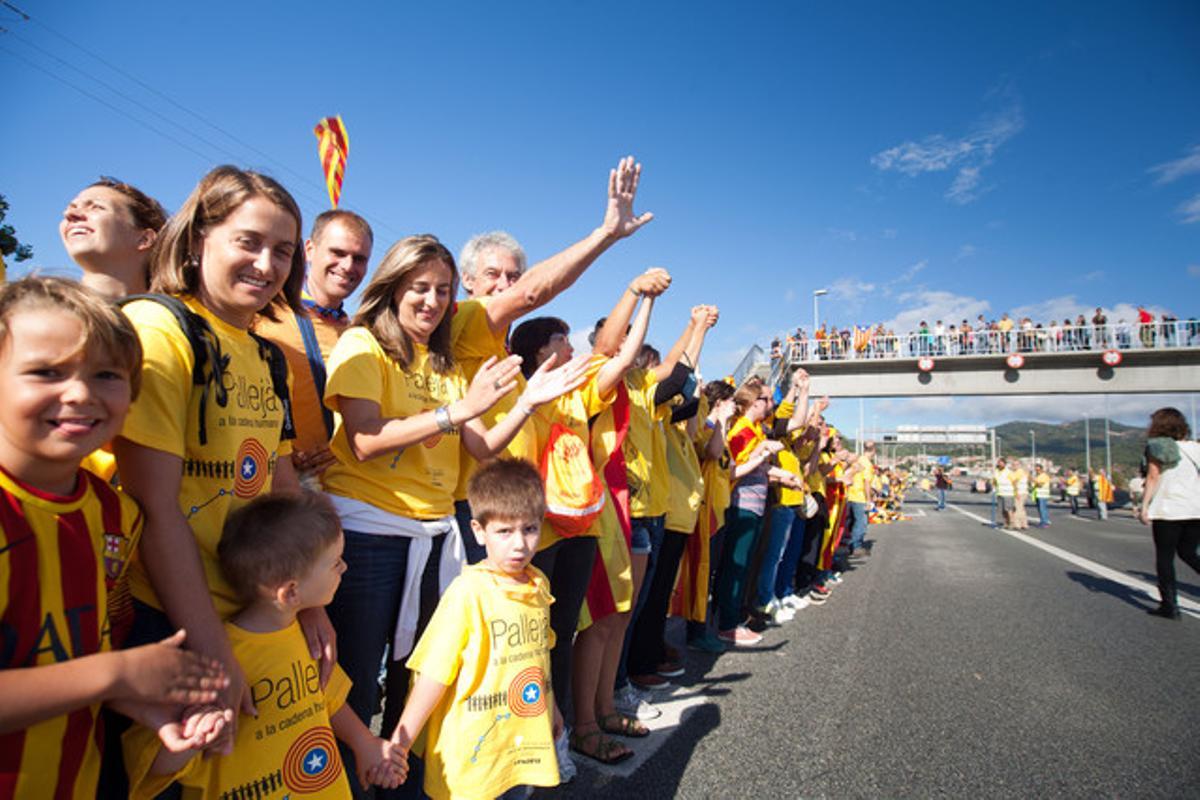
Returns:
(282,553)
(482,694)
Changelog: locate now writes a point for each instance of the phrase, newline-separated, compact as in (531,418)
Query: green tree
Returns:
(9,246)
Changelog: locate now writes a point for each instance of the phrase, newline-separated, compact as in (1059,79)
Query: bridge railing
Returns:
(866,345)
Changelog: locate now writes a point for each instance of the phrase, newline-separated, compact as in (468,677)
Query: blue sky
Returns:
(920,159)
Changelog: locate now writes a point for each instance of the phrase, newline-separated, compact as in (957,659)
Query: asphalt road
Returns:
(957,661)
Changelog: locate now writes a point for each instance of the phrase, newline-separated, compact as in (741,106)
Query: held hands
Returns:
(312,462)
(704,316)
(651,283)
(619,218)
(550,383)
(493,380)
(196,729)
(385,764)
(768,448)
(165,673)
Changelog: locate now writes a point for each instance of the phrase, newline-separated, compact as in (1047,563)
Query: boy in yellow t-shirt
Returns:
(281,553)
(481,712)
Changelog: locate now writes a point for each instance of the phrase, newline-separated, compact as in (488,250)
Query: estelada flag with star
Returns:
(333,146)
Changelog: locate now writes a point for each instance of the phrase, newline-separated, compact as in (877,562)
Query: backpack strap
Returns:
(316,365)
(277,364)
(206,351)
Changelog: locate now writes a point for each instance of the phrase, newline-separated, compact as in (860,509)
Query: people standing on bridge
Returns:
(1002,483)
(1041,495)
(943,484)
(1171,501)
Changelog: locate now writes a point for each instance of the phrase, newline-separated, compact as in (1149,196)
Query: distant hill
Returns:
(1064,443)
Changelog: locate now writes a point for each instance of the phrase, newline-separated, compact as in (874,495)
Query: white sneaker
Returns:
(783,614)
(795,603)
(562,749)
(632,703)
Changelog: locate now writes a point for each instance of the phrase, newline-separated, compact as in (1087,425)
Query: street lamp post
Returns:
(816,315)
(1032,448)
(1087,444)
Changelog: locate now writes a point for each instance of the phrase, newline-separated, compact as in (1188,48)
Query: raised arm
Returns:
(650,283)
(667,366)
(613,372)
(547,279)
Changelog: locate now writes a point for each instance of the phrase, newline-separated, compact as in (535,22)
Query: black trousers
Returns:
(646,645)
(1174,537)
(568,565)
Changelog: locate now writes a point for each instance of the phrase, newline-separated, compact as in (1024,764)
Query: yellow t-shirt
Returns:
(645,447)
(1041,485)
(417,482)
(238,461)
(686,484)
(489,641)
(814,481)
(472,342)
(306,405)
(572,410)
(857,493)
(288,748)
(717,480)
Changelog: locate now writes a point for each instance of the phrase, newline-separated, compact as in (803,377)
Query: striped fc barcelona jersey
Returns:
(62,567)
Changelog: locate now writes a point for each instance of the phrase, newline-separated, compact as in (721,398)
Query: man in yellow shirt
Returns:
(337,251)
(859,478)
(500,291)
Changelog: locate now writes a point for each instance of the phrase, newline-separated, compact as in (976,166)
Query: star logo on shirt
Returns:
(248,468)
(315,761)
(532,693)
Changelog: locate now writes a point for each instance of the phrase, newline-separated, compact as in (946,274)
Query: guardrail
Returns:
(867,345)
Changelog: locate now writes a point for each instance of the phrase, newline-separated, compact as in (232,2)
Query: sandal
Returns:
(620,725)
(604,749)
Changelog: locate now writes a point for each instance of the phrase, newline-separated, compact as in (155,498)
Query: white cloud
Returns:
(966,251)
(889,233)
(932,305)
(1174,170)
(1094,275)
(1191,210)
(1069,307)
(962,191)
(968,154)
(842,235)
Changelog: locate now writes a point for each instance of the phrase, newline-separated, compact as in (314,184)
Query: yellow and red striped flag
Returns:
(333,146)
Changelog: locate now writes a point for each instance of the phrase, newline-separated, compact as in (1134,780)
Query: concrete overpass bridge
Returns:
(997,364)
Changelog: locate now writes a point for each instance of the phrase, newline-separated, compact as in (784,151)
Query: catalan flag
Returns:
(333,146)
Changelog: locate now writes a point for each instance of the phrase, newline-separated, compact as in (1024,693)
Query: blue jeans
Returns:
(1043,505)
(785,576)
(777,538)
(364,613)
(941,506)
(858,524)
(741,527)
(642,527)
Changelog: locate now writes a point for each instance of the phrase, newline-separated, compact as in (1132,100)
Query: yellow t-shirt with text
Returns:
(289,748)
(685,483)
(417,482)
(472,342)
(489,642)
(645,447)
(572,410)
(237,463)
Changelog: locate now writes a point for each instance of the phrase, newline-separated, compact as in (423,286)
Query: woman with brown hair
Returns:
(405,414)
(207,432)
(1171,501)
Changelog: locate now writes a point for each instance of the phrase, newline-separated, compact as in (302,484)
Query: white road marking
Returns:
(1185,605)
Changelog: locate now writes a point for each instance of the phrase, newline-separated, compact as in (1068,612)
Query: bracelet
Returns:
(524,408)
(442,415)
(636,292)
